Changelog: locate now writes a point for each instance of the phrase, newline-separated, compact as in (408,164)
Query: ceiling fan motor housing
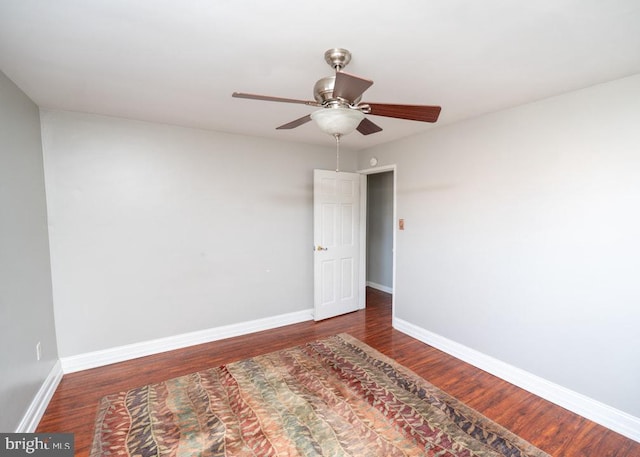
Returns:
(323,93)
(337,58)
(323,89)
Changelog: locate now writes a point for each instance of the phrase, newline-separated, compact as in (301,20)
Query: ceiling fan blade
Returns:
(423,113)
(350,87)
(296,123)
(268,98)
(366,127)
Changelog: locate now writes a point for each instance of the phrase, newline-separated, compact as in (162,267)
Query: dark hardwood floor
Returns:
(551,428)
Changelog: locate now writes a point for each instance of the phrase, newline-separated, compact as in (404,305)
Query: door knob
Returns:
(320,248)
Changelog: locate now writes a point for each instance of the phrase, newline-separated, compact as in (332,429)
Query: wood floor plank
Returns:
(550,427)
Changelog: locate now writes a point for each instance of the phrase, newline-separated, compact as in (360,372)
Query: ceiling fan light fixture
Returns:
(339,96)
(337,121)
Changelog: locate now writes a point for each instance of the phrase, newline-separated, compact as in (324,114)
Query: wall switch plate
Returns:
(38,351)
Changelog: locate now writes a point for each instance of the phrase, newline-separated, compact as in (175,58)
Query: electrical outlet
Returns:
(38,351)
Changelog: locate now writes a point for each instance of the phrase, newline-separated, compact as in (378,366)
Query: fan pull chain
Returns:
(337,135)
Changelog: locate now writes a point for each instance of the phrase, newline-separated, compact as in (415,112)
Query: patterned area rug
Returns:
(332,397)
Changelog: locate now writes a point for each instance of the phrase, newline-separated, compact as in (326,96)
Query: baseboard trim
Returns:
(132,351)
(598,412)
(377,286)
(39,404)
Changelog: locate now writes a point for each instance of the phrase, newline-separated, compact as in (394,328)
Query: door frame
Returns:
(363,233)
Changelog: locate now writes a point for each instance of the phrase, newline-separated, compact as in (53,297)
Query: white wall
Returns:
(159,230)
(522,237)
(26,307)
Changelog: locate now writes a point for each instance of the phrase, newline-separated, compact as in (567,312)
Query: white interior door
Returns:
(336,222)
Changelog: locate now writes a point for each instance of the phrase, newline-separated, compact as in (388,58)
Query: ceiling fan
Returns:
(338,98)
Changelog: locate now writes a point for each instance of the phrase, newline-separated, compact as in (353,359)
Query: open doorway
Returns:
(379,235)
(379,255)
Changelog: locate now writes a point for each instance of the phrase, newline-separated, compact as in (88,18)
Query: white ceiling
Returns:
(178,62)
